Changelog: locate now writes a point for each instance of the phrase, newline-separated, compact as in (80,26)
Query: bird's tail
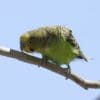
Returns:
(82,56)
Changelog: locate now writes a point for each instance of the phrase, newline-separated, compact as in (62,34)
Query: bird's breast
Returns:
(59,53)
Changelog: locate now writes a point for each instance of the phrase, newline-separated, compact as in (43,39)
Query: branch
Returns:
(33,60)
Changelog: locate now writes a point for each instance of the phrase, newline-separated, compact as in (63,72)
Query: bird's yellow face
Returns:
(29,43)
(24,43)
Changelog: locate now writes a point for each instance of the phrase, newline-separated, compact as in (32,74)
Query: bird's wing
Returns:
(70,38)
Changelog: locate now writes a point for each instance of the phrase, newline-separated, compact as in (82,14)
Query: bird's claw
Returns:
(68,71)
(43,60)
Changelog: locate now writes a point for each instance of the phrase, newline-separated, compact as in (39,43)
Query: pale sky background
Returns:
(22,81)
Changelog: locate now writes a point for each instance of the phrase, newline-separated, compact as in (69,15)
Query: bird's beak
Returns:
(23,47)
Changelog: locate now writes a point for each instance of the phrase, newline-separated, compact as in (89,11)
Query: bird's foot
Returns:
(68,71)
(43,60)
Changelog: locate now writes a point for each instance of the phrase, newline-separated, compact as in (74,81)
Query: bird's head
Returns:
(30,42)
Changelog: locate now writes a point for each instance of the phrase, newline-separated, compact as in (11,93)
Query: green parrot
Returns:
(55,43)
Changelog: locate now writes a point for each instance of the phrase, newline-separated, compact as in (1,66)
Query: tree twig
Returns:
(33,60)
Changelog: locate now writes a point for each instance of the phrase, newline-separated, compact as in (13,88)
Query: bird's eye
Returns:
(30,41)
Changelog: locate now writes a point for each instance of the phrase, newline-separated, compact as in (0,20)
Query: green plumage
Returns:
(56,43)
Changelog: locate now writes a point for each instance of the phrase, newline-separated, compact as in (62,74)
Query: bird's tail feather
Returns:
(82,56)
